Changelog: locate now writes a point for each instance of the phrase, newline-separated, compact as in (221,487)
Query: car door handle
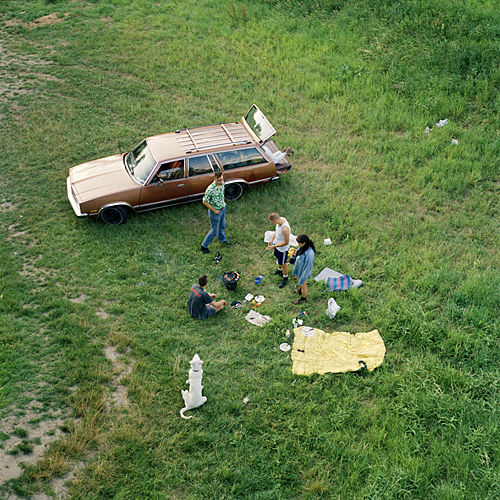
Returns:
(180,185)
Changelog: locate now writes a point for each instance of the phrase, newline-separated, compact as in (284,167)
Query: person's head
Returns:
(274,217)
(218,177)
(203,280)
(304,243)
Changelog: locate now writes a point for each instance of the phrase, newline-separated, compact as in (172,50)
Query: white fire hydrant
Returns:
(193,397)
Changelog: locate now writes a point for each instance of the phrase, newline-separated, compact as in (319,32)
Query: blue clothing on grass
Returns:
(303,266)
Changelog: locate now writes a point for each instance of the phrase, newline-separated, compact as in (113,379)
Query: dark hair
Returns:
(217,174)
(302,238)
(203,280)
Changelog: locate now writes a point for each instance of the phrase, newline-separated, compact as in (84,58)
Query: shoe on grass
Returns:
(204,249)
(283,282)
(302,299)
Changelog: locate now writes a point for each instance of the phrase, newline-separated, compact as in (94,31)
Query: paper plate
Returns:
(259,298)
(285,346)
(248,296)
(307,331)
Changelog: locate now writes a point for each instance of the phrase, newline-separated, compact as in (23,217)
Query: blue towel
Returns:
(337,284)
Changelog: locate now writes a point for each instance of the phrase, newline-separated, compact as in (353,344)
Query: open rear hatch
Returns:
(263,130)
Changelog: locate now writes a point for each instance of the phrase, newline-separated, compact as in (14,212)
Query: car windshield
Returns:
(140,162)
(259,123)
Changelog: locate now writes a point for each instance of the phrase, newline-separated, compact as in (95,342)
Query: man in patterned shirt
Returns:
(214,201)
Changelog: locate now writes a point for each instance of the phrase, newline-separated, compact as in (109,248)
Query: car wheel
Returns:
(114,215)
(234,191)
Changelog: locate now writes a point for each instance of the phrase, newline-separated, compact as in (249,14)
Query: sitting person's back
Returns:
(200,303)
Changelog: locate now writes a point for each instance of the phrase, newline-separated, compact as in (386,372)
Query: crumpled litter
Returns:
(454,141)
(442,123)
(333,308)
(257,319)
(336,352)
(327,273)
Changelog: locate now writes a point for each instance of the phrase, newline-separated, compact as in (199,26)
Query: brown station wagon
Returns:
(177,167)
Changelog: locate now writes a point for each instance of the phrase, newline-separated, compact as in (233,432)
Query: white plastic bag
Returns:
(333,308)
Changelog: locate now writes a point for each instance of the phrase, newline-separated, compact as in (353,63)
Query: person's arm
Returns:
(210,207)
(206,201)
(270,244)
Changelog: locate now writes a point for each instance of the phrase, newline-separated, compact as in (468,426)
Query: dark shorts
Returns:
(281,256)
(210,310)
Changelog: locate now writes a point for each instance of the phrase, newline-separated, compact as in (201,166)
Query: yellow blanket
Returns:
(315,351)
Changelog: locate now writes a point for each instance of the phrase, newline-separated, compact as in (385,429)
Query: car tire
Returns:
(234,191)
(114,215)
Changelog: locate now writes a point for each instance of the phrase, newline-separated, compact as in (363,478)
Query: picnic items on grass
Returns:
(230,279)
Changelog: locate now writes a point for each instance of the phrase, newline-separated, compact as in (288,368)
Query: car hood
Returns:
(101,178)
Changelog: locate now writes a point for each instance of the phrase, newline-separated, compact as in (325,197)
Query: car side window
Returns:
(169,171)
(199,165)
(240,158)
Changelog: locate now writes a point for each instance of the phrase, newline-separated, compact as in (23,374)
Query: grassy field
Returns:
(351,87)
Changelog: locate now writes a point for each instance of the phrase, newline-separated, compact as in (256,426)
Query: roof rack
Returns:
(196,139)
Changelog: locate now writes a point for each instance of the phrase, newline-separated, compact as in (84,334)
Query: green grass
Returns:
(350,86)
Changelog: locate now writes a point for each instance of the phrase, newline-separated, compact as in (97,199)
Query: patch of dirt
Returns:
(7,206)
(100,313)
(118,398)
(79,300)
(23,435)
(37,23)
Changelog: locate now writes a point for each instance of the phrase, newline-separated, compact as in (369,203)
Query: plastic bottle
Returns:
(288,332)
(301,313)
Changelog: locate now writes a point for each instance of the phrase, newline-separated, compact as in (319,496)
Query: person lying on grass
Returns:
(201,304)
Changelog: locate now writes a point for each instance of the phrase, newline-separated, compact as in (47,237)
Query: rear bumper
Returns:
(72,200)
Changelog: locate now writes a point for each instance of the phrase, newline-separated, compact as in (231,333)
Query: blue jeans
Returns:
(218,223)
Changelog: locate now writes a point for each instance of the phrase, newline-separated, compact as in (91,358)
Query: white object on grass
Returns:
(193,397)
(327,241)
(442,123)
(333,308)
(307,331)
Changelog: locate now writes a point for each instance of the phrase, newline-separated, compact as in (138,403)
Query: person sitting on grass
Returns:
(201,304)
(303,265)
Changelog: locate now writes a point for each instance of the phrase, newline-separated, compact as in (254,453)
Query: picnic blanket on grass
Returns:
(315,351)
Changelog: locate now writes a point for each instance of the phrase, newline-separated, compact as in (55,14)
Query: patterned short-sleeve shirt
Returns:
(215,196)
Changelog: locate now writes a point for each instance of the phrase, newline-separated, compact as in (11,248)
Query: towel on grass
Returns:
(336,281)
(335,352)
